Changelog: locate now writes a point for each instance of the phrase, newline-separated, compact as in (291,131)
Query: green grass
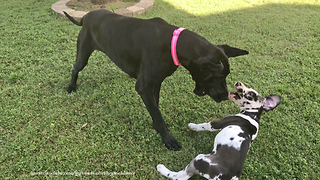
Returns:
(104,127)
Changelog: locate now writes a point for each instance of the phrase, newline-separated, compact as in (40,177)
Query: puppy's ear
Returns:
(271,102)
(232,51)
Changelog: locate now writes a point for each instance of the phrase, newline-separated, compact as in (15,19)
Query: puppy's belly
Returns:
(230,136)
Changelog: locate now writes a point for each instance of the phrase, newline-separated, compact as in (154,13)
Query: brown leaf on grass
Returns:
(84,125)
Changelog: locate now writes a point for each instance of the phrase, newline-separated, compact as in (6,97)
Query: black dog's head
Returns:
(210,70)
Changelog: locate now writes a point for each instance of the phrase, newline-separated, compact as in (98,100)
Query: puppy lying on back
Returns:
(233,141)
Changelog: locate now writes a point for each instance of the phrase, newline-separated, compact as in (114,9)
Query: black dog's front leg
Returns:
(150,97)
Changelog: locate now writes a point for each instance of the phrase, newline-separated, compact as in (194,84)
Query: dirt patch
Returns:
(89,5)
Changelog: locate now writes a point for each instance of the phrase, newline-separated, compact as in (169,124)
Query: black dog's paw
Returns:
(171,143)
(72,88)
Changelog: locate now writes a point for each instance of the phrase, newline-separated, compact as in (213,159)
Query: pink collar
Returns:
(174,40)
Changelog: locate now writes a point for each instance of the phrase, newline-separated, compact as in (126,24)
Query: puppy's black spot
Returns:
(244,103)
(231,138)
(202,166)
(243,135)
(218,146)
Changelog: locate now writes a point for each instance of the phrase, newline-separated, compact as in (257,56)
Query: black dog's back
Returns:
(128,41)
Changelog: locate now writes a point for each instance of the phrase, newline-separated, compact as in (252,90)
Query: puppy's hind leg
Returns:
(84,49)
(181,175)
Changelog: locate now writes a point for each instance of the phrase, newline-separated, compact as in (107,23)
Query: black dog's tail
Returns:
(73,20)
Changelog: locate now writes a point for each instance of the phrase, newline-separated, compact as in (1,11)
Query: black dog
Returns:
(141,48)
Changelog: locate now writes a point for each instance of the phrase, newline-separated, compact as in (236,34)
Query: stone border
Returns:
(137,9)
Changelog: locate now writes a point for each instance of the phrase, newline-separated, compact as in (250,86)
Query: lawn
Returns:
(104,129)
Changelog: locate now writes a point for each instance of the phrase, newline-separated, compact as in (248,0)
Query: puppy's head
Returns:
(210,70)
(250,100)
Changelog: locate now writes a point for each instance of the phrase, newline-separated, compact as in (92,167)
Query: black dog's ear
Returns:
(232,51)
(271,102)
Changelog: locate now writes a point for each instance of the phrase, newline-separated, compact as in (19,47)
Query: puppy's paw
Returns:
(162,169)
(194,127)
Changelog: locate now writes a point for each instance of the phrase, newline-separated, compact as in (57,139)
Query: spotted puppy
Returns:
(232,143)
